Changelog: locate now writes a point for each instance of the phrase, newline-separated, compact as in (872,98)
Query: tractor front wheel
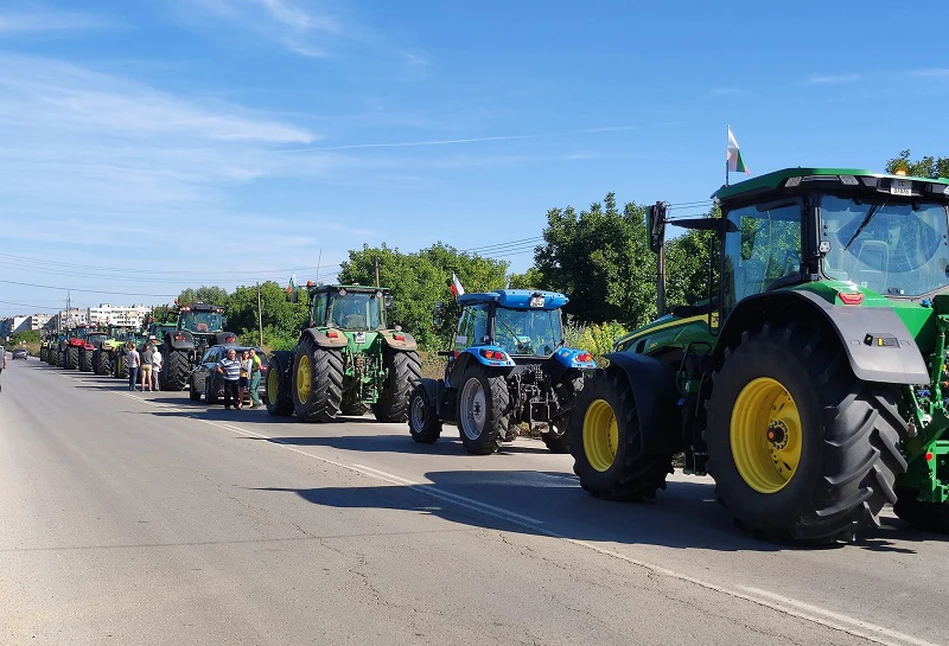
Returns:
(71,360)
(800,449)
(85,361)
(279,381)
(120,367)
(484,405)
(102,363)
(424,425)
(402,370)
(606,442)
(317,382)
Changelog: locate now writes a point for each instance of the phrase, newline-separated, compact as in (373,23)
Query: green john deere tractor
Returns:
(346,361)
(811,382)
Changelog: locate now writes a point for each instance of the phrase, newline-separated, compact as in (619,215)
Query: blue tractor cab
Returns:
(509,365)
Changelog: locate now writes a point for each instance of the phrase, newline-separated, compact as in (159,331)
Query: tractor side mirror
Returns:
(657,226)
(388,301)
(437,313)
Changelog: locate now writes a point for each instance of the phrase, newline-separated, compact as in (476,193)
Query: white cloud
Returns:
(22,19)
(935,72)
(832,79)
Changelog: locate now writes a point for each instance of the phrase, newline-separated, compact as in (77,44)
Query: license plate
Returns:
(360,337)
(901,187)
(537,301)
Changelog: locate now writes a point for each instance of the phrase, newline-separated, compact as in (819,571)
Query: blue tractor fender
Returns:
(480,355)
(574,358)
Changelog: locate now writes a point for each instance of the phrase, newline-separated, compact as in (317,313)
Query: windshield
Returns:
(356,311)
(527,332)
(890,248)
(202,321)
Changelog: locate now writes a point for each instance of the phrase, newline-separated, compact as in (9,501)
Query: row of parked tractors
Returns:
(809,380)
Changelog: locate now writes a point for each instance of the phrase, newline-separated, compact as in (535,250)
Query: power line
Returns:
(87,291)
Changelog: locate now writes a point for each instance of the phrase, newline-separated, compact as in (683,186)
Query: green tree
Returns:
(281,318)
(421,279)
(931,167)
(530,279)
(209,295)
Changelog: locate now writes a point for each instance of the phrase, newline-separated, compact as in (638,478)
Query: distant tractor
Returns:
(109,349)
(347,361)
(509,367)
(197,328)
(72,346)
(810,383)
(87,351)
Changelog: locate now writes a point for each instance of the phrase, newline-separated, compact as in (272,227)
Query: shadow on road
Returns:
(446,446)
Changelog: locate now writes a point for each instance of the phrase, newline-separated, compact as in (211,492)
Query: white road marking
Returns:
(784,605)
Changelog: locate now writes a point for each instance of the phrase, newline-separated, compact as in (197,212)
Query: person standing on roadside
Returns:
(147,366)
(244,383)
(230,369)
(133,361)
(156,368)
(254,379)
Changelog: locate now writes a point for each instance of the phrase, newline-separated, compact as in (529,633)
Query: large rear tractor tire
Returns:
(43,353)
(85,361)
(557,436)
(801,450)
(100,360)
(424,425)
(71,358)
(928,516)
(403,369)
(176,370)
(606,442)
(60,358)
(120,367)
(279,383)
(484,410)
(317,382)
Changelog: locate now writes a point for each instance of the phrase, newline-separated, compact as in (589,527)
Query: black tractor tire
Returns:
(279,382)
(71,358)
(484,410)
(193,395)
(424,425)
(325,369)
(355,409)
(120,367)
(608,468)
(43,352)
(176,370)
(60,358)
(927,516)
(557,438)
(101,362)
(849,437)
(85,361)
(403,369)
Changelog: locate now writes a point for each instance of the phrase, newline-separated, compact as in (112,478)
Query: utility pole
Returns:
(260,320)
(377,271)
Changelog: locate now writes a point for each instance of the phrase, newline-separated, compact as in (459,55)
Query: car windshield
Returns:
(356,311)
(527,332)
(892,248)
(202,322)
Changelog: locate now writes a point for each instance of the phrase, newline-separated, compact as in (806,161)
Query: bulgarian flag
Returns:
(456,287)
(292,285)
(735,163)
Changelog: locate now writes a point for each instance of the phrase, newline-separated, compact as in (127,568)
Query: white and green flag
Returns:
(735,163)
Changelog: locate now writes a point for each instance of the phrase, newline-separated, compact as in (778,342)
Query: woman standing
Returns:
(156,368)
(247,366)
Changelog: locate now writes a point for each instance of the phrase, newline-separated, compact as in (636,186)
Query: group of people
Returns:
(144,366)
(241,378)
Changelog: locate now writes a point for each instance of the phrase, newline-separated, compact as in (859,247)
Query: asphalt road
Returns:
(142,518)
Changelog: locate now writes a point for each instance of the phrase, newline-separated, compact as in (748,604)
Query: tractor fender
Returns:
(878,345)
(180,340)
(323,341)
(471,356)
(224,338)
(433,388)
(655,393)
(398,340)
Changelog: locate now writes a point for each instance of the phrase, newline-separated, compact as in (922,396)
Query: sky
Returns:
(152,146)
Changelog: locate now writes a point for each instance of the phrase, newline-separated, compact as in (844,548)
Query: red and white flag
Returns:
(456,287)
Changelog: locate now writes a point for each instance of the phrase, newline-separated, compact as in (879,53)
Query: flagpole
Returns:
(728,129)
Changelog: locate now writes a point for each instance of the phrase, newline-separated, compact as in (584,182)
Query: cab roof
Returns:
(515,299)
(361,289)
(845,176)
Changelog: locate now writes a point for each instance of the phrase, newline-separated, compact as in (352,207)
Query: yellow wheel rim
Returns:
(303,378)
(600,435)
(766,435)
(272,385)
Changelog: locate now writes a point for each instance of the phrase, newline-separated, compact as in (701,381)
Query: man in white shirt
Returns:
(133,361)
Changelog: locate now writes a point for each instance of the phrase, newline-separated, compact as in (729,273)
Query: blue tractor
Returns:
(509,367)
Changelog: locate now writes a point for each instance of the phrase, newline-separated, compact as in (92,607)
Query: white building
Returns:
(39,321)
(13,324)
(106,314)
(73,317)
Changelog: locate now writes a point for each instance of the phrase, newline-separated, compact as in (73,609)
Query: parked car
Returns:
(206,380)
(20,353)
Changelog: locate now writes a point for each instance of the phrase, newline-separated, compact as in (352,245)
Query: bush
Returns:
(595,338)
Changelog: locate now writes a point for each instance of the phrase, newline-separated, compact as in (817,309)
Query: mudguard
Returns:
(465,358)
(878,345)
(224,338)
(655,392)
(478,352)
(398,340)
(324,340)
(180,340)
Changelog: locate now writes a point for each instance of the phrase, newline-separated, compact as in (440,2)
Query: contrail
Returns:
(473,140)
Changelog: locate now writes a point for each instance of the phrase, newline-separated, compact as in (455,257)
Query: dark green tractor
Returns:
(346,361)
(198,327)
(810,383)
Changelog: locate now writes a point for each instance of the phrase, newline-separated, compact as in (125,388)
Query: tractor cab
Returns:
(199,318)
(349,307)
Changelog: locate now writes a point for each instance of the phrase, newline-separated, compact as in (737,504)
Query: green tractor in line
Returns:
(197,327)
(347,360)
(49,339)
(109,349)
(811,382)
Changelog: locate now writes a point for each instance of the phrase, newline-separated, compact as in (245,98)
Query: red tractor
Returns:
(76,345)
